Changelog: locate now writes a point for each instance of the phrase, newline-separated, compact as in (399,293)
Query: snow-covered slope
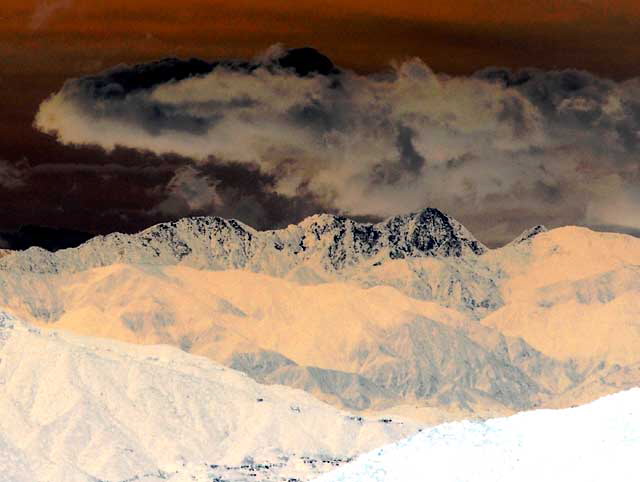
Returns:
(593,443)
(84,409)
(571,293)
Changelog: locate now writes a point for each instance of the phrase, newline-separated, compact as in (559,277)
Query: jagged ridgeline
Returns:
(336,243)
(411,311)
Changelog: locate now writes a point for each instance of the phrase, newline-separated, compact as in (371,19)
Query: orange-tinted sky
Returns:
(455,36)
(44,42)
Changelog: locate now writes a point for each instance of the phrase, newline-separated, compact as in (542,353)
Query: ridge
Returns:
(329,242)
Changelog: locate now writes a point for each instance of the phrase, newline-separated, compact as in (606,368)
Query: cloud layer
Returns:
(499,147)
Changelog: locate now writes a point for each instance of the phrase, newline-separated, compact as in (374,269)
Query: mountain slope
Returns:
(571,293)
(79,409)
(596,442)
(361,348)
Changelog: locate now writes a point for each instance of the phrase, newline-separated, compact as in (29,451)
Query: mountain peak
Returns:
(431,232)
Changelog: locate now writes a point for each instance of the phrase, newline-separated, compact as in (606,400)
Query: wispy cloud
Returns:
(11,175)
(45,10)
(189,192)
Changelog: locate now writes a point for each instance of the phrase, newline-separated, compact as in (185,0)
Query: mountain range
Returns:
(411,316)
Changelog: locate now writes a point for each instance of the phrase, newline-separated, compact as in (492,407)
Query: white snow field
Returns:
(76,408)
(597,442)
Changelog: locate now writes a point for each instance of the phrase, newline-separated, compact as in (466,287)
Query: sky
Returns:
(503,114)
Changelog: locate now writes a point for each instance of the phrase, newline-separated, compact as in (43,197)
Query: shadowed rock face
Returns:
(259,364)
(425,360)
(428,360)
(529,233)
(430,232)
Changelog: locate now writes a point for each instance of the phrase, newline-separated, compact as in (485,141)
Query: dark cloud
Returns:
(11,175)
(286,134)
(410,159)
(548,193)
(305,61)
(123,80)
(233,190)
(578,102)
(614,228)
(51,239)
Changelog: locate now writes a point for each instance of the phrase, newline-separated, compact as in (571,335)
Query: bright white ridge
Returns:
(597,442)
